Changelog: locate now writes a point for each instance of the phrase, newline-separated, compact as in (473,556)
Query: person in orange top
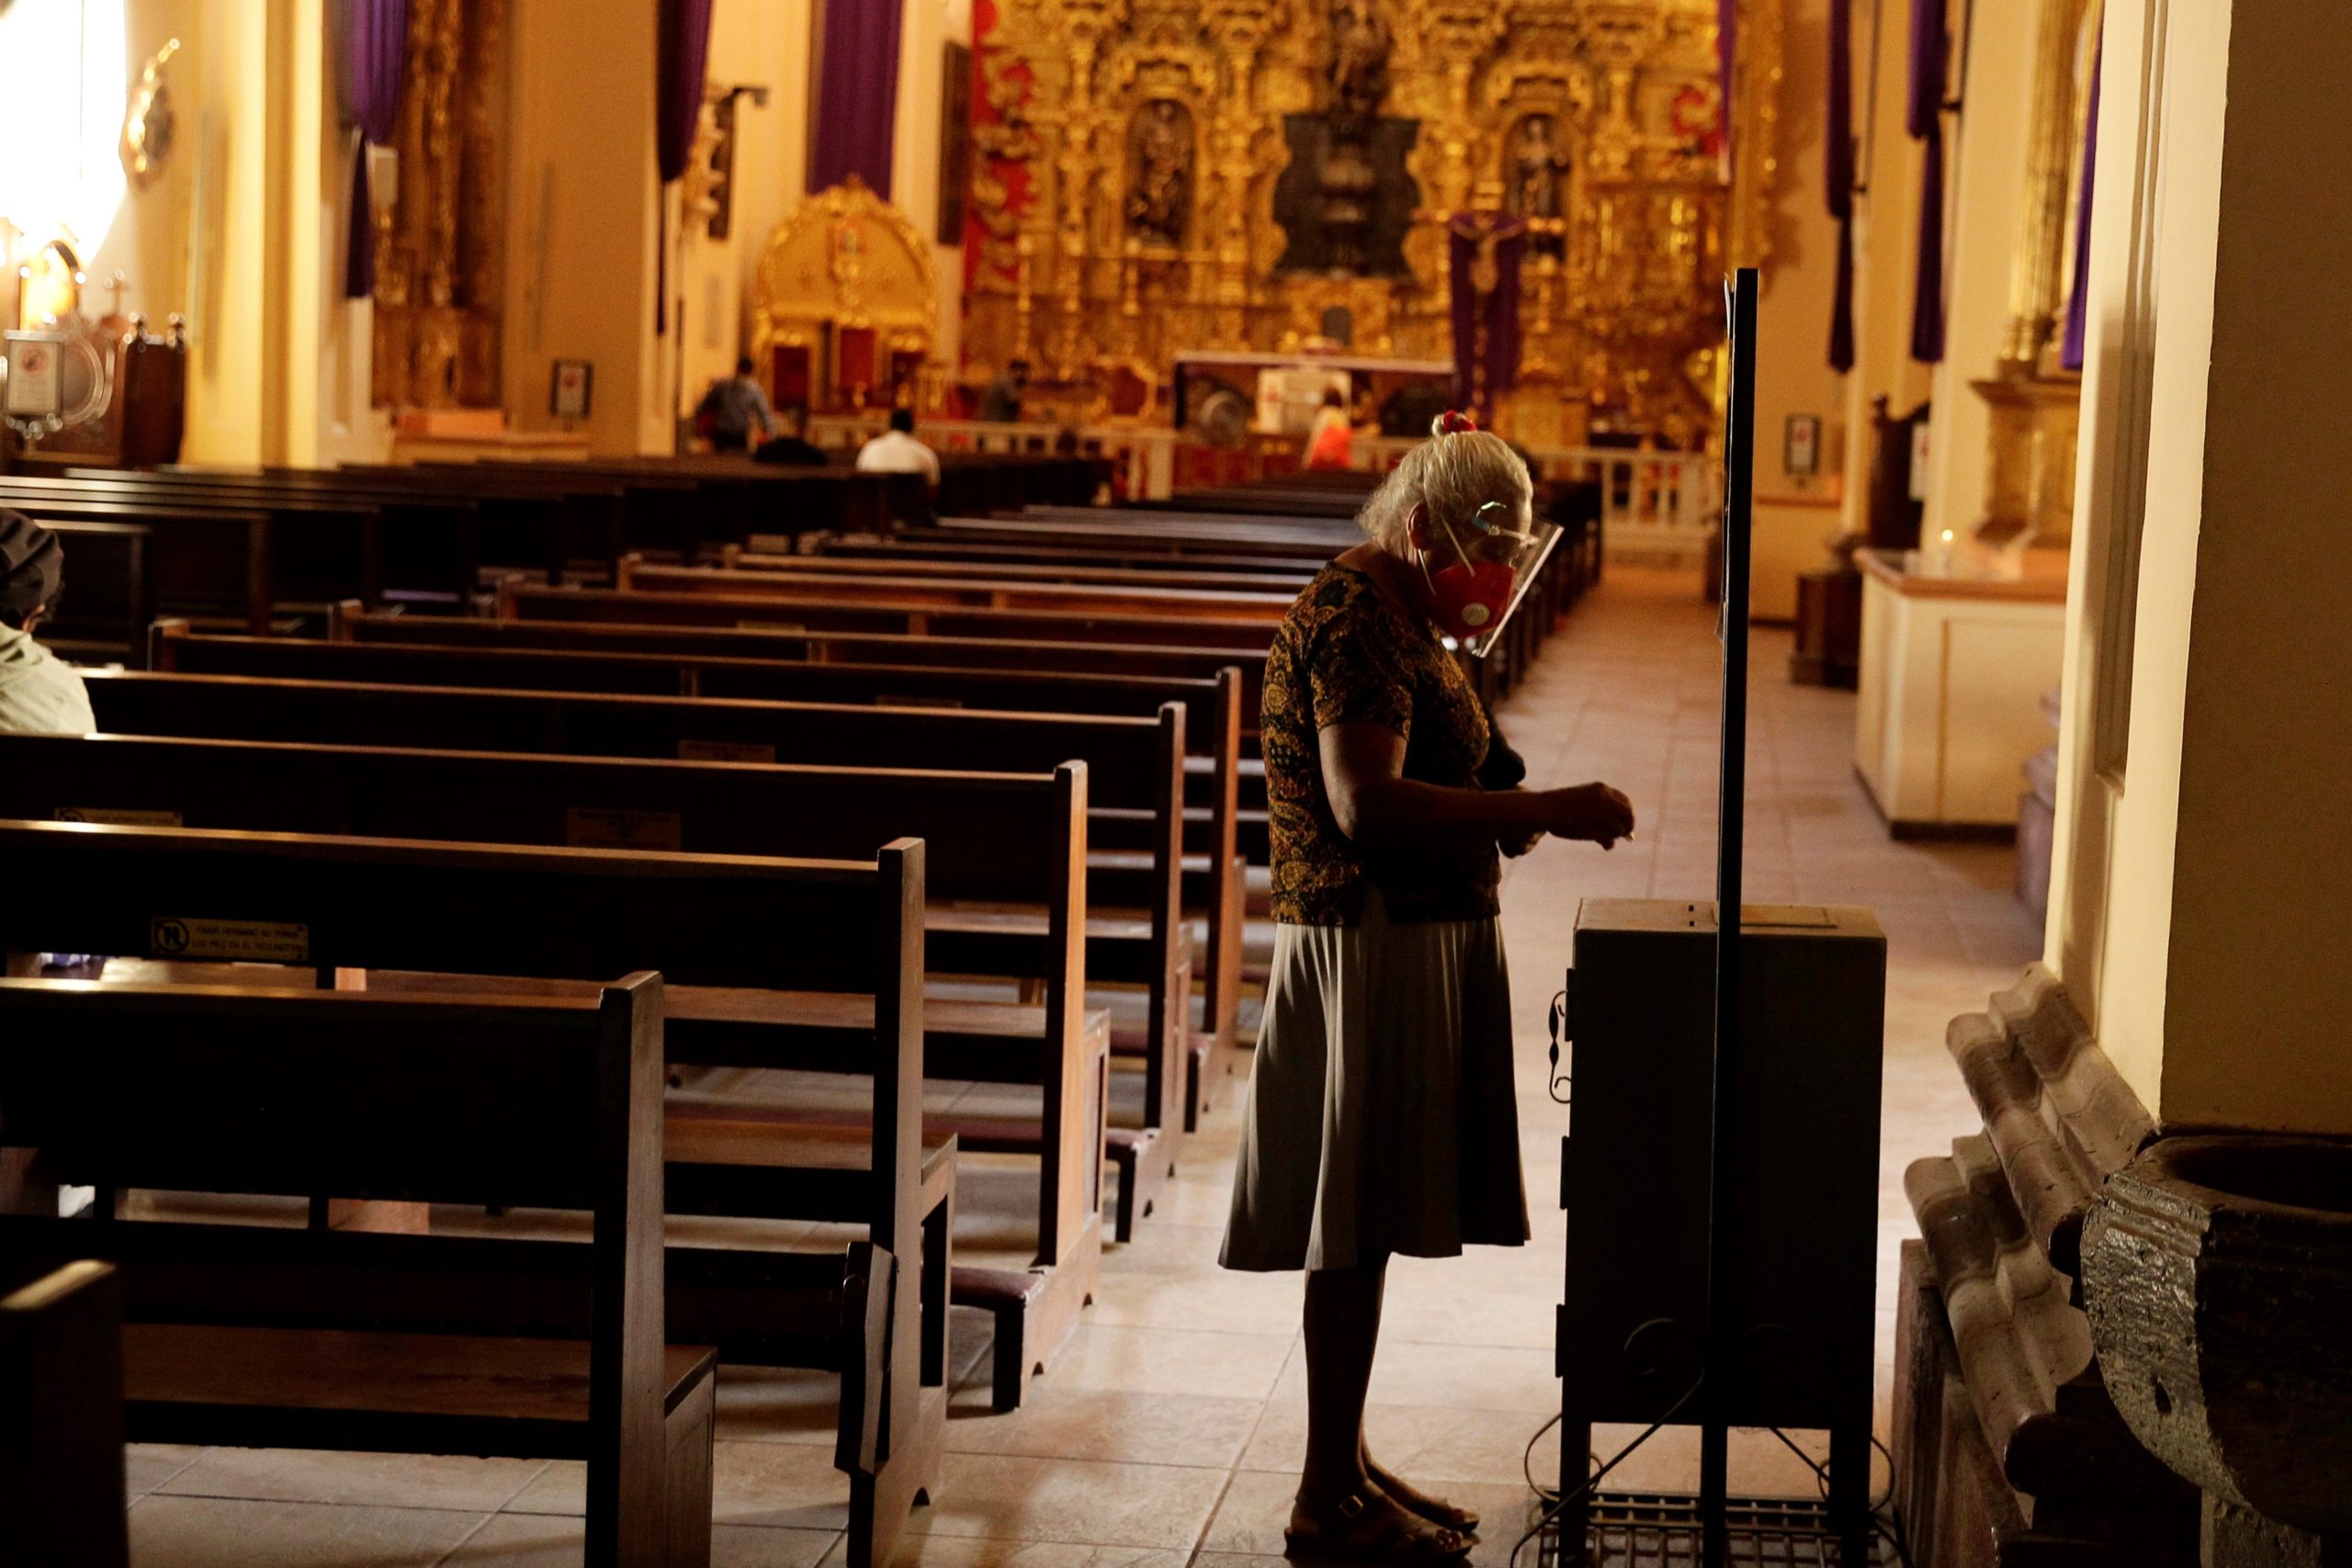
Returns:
(1330,436)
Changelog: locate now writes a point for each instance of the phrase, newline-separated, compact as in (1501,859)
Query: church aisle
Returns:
(1171,1429)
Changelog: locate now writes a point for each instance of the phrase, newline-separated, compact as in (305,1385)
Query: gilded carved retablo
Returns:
(1127,156)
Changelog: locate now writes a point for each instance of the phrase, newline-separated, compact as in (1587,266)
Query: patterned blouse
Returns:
(1344,653)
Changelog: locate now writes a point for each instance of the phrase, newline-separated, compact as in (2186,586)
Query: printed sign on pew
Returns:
(252,942)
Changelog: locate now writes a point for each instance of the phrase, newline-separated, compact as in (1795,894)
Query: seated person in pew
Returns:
(39,692)
(1382,1118)
(40,695)
(896,450)
(791,448)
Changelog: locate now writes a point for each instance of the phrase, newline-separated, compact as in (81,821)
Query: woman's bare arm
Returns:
(1380,809)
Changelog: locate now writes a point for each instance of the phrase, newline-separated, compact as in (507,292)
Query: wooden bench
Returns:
(908,615)
(207,566)
(110,590)
(835,561)
(278,1337)
(1176,605)
(1010,845)
(707,650)
(844,935)
(1132,785)
(62,1485)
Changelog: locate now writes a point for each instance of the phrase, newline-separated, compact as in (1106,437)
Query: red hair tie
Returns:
(1453,422)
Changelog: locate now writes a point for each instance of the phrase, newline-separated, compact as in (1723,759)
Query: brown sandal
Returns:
(1353,1529)
(1438,1511)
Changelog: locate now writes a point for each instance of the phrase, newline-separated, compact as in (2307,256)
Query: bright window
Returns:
(60,120)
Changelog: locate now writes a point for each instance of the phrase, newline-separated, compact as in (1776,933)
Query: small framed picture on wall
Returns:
(571,387)
(1801,447)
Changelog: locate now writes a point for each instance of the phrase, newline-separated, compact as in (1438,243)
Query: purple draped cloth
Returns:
(2070,348)
(1476,379)
(683,54)
(857,95)
(682,50)
(1837,169)
(376,51)
(1924,119)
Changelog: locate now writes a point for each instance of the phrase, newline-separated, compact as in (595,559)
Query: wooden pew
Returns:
(910,547)
(842,938)
(212,565)
(1175,604)
(566,667)
(109,598)
(1135,780)
(1011,846)
(321,547)
(721,656)
(277,1338)
(567,525)
(683,507)
(829,610)
(62,1485)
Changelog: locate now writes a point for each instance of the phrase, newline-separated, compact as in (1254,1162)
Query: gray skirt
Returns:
(1382,1118)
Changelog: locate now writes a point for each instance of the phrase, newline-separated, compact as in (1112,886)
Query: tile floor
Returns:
(1170,1431)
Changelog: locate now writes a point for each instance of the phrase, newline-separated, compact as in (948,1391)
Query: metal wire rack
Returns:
(1660,1529)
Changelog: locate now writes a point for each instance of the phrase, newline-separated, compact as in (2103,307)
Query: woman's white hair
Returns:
(1453,476)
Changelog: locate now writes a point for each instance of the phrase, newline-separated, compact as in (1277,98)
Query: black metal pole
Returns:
(1722,1296)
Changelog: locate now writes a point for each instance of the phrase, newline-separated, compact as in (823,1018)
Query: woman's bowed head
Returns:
(1445,528)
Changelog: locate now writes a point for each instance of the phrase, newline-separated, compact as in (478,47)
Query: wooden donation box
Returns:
(1636,1170)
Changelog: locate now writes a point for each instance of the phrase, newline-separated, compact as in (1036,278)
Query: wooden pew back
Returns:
(61,1485)
(486,1100)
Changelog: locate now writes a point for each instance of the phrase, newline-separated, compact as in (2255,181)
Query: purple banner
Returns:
(2070,349)
(1837,173)
(375,53)
(1924,116)
(857,94)
(685,55)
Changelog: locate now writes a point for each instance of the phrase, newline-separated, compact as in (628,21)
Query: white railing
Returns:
(1658,505)
(1146,456)
(1654,505)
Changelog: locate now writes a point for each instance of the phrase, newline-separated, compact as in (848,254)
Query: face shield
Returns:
(1473,595)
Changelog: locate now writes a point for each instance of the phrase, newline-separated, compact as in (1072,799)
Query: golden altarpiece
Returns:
(1129,154)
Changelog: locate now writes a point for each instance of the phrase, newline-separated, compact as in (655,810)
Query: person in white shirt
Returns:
(39,692)
(896,450)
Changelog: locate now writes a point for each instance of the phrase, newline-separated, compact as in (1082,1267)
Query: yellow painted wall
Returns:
(581,203)
(2199,909)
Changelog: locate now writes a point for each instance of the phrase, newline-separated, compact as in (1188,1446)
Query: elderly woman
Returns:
(1382,1118)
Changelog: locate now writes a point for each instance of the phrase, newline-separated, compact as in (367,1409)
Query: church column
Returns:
(2200,914)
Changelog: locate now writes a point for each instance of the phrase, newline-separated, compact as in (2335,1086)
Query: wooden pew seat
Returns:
(319,1388)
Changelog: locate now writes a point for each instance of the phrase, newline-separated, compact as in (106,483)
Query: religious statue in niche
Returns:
(1160,195)
(1532,183)
(1345,200)
(1361,43)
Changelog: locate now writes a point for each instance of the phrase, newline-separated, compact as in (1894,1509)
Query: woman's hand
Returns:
(1592,811)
